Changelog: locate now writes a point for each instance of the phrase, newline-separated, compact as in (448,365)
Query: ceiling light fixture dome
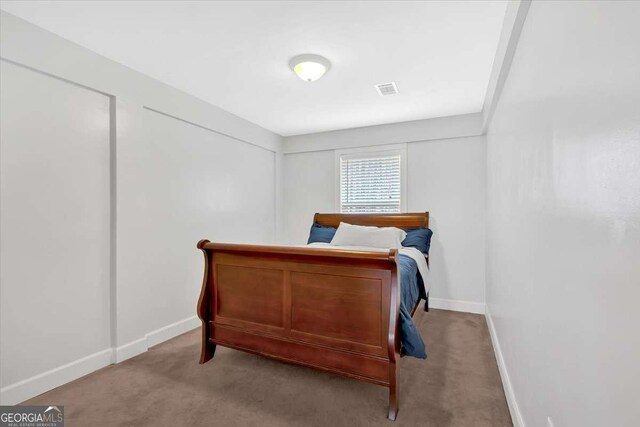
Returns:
(309,67)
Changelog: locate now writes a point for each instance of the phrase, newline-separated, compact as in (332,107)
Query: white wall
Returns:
(447,178)
(392,133)
(564,216)
(121,168)
(54,221)
(181,183)
(444,177)
(307,187)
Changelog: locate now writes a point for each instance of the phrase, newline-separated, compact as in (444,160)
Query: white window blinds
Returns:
(370,183)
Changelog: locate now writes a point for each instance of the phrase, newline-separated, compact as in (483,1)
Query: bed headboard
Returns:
(400,220)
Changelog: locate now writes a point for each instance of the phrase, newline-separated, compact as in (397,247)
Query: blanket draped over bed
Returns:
(411,290)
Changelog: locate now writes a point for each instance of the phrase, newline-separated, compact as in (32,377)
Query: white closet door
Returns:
(54,223)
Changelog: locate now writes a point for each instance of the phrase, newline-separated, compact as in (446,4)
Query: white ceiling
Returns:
(235,54)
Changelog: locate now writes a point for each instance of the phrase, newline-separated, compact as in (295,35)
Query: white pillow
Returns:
(373,237)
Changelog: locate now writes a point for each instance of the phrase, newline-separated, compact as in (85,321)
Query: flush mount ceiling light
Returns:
(309,67)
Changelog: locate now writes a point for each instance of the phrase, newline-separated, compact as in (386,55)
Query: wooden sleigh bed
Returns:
(334,310)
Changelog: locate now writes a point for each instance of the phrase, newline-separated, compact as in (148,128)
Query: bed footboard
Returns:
(331,310)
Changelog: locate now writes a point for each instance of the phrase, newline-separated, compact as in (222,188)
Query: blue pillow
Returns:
(419,238)
(320,233)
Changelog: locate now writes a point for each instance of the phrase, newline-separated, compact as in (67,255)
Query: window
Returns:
(371,181)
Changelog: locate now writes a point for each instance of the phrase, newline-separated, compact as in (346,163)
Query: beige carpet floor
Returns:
(458,385)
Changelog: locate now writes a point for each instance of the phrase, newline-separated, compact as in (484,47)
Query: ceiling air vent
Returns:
(385,89)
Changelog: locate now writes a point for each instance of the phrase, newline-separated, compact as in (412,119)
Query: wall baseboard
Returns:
(173,330)
(156,337)
(455,305)
(41,383)
(130,349)
(514,409)
(38,384)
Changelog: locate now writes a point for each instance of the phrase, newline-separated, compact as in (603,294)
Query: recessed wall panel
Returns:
(54,222)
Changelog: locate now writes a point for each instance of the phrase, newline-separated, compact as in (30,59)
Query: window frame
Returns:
(379,150)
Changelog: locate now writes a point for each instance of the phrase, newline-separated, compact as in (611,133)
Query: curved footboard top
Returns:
(297,250)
